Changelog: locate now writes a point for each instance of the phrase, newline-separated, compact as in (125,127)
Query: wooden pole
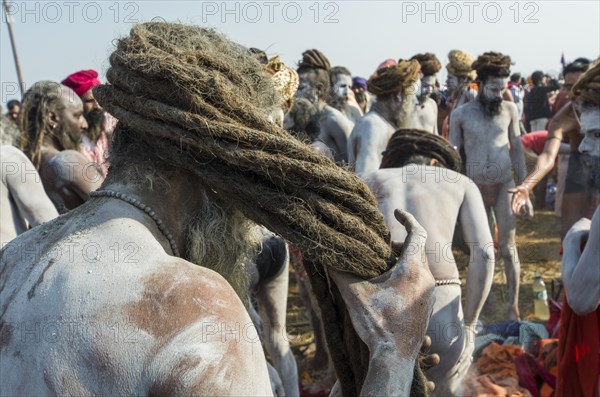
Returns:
(14,48)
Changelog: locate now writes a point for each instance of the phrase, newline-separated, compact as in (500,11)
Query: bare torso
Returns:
(99,308)
(369,139)
(427,116)
(335,129)
(485,141)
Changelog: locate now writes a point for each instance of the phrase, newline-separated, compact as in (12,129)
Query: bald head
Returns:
(51,110)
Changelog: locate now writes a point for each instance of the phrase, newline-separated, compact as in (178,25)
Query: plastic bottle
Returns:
(540,299)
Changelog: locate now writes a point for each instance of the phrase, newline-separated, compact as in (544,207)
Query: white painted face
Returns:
(590,126)
(494,87)
(428,85)
(306,89)
(341,88)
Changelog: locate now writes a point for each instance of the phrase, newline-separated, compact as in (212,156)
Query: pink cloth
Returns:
(82,81)
(535,141)
(387,63)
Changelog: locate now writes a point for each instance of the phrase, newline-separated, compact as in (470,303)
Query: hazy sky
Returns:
(56,38)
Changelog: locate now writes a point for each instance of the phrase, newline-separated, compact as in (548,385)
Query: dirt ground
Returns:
(538,241)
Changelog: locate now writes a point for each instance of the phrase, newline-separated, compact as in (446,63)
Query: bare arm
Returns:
(516,147)
(563,121)
(434,107)
(476,233)
(79,174)
(455,133)
(27,190)
(581,270)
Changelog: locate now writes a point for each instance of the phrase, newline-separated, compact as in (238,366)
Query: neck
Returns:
(174,209)
(383,109)
(50,143)
(321,104)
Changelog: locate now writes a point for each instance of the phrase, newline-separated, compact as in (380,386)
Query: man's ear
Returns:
(53,118)
(434,163)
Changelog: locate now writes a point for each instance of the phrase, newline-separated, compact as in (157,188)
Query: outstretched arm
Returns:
(581,269)
(563,121)
(476,233)
(390,313)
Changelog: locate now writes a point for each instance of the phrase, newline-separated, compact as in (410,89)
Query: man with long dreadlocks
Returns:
(458,87)
(315,86)
(418,172)
(427,108)
(195,162)
(487,129)
(52,125)
(395,86)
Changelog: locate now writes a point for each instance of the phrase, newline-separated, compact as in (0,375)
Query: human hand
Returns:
(520,199)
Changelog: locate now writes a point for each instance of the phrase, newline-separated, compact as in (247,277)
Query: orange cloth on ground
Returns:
(495,374)
(578,350)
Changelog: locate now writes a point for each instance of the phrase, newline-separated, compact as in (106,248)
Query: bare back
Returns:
(422,190)
(99,308)
(369,139)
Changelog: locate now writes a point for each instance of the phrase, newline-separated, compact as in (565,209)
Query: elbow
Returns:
(581,304)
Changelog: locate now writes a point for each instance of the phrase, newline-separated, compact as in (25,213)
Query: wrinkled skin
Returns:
(489,161)
(390,313)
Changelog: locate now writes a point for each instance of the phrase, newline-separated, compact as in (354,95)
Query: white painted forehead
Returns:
(343,79)
(590,118)
(497,80)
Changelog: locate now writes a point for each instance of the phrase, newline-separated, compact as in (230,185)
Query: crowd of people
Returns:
(167,205)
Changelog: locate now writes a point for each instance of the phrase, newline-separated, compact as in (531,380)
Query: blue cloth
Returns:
(359,82)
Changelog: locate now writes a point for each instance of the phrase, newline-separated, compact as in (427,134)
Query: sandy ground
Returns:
(538,242)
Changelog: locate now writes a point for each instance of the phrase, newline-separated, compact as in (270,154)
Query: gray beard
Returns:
(406,117)
(492,107)
(591,170)
(222,239)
